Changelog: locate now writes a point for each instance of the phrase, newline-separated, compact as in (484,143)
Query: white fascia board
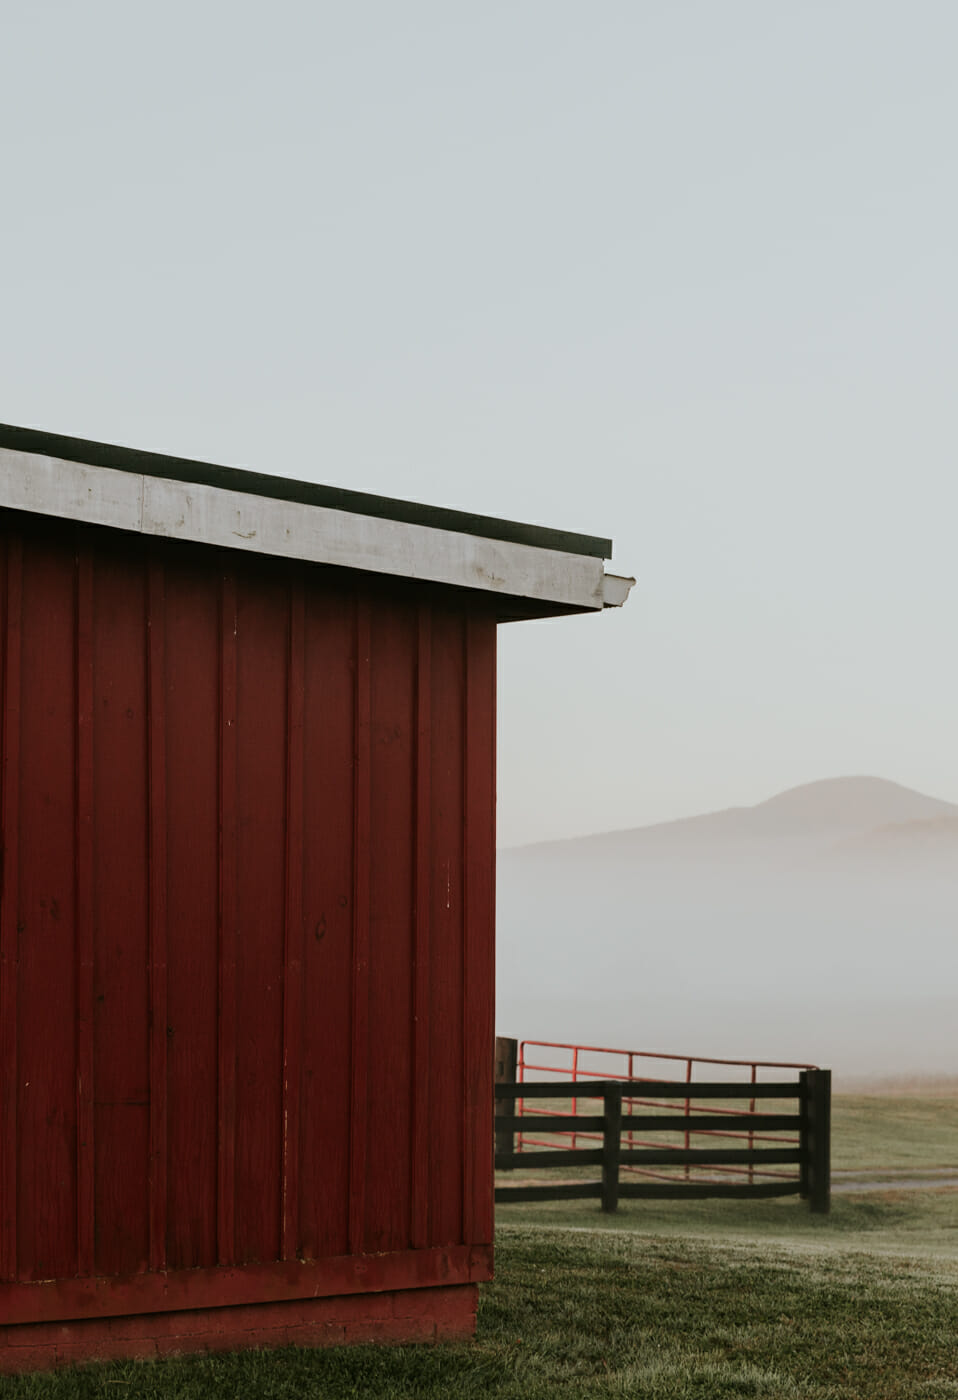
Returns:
(316,534)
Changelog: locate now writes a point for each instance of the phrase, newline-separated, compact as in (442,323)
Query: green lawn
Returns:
(895,1132)
(922,1224)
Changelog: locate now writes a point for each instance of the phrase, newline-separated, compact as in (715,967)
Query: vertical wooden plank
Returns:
(86,1159)
(262,659)
(121,894)
(478,989)
(359,1033)
(226,1027)
(192,664)
(328,869)
(294,933)
(46,1198)
(419,1225)
(156,760)
(446,1029)
(392,815)
(9,812)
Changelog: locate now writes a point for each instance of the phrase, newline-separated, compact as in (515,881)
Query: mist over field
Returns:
(819,926)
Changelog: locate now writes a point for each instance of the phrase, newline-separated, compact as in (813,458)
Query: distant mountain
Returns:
(848,804)
(827,808)
(808,927)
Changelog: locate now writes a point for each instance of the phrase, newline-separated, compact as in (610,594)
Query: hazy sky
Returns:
(679,272)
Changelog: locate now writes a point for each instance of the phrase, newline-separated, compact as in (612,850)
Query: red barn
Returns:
(247,920)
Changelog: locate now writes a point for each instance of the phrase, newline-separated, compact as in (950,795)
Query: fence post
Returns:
(817,1115)
(688,1140)
(611,1146)
(507,1055)
(803,1135)
(751,1132)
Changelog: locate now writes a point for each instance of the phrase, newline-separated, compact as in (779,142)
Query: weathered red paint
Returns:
(246,933)
(442,1312)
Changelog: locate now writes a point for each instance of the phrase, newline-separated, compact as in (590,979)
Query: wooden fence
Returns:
(808,1152)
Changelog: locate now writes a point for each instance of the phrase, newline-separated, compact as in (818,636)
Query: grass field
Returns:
(896,1131)
(916,1224)
(664,1301)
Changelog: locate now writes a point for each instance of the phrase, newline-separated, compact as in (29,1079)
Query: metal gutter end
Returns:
(615,590)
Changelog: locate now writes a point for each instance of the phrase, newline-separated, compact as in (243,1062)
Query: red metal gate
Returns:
(588,1063)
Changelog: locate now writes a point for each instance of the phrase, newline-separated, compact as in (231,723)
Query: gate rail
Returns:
(591,1063)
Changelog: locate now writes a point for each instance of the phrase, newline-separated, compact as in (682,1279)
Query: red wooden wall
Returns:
(246,937)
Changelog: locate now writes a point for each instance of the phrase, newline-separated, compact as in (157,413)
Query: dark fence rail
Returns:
(808,1153)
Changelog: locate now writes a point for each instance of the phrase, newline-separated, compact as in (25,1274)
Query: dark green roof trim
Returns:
(128,459)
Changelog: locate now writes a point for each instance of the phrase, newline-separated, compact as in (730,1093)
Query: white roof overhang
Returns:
(154,505)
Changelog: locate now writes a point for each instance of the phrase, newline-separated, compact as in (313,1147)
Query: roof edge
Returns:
(185,469)
(550,581)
